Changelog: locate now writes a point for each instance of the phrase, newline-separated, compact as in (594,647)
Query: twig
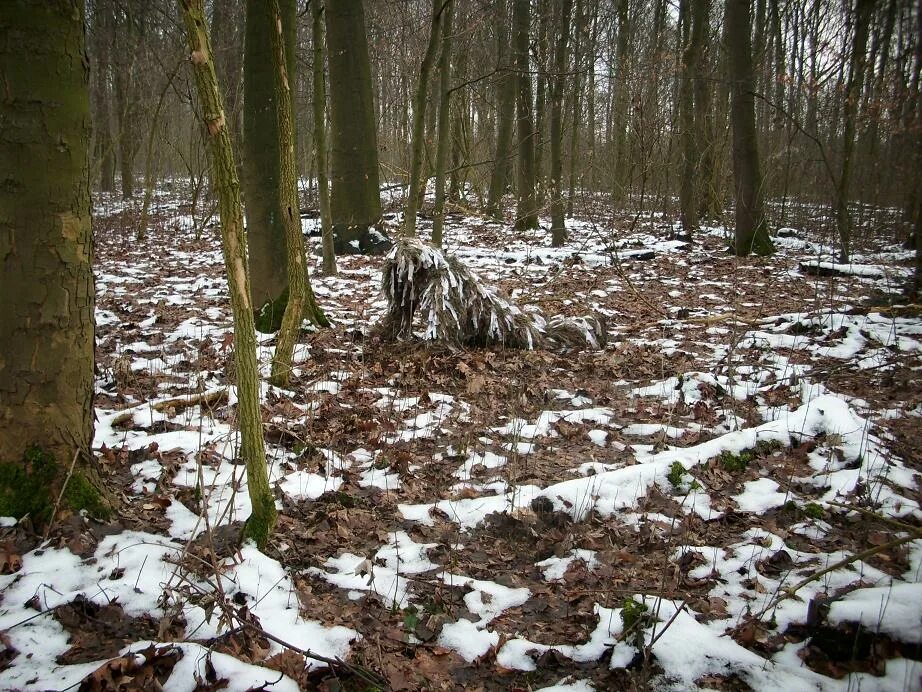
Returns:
(57,503)
(368,676)
(874,515)
(870,552)
(655,639)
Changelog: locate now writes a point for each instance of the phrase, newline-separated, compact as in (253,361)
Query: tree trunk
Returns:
(620,154)
(545,10)
(526,209)
(320,141)
(577,104)
(563,8)
(691,114)
(355,203)
(444,135)
(226,25)
(505,117)
(261,156)
(751,233)
(862,20)
(102,97)
(460,127)
(289,209)
(261,522)
(46,255)
(420,101)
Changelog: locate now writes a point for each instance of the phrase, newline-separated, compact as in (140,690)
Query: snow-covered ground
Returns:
(646,514)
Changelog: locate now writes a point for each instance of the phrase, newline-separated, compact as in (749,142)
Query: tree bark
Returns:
(444,134)
(751,234)
(46,255)
(620,154)
(691,113)
(563,8)
(862,19)
(420,101)
(102,98)
(320,140)
(526,208)
(261,156)
(261,522)
(505,118)
(289,208)
(355,202)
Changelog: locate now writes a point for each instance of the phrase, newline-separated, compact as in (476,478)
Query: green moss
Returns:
(25,487)
(80,494)
(259,526)
(268,319)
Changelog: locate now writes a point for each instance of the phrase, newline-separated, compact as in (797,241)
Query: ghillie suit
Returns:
(460,309)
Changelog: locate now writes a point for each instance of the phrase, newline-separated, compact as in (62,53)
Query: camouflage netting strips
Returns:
(459,308)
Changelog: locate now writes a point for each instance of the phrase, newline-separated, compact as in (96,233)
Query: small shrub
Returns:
(813,510)
(734,463)
(675,475)
(633,614)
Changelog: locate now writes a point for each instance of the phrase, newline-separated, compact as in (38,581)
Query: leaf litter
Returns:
(493,518)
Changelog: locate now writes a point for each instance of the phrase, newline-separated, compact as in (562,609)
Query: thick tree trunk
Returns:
(751,233)
(505,118)
(862,20)
(444,135)
(563,8)
(265,226)
(262,520)
(420,101)
(355,202)
(46,255)
(320,140)
(526,208)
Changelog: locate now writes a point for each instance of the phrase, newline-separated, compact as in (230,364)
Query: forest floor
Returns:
(646,516)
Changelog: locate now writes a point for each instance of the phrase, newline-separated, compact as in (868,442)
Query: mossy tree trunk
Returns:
(444,126)
(262,520)
(420,101)
(562,8)
(355,201)
(320,139)
(300,296)
(46,255)
(261,155)
(526,207)
(505,118)
(751,234)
